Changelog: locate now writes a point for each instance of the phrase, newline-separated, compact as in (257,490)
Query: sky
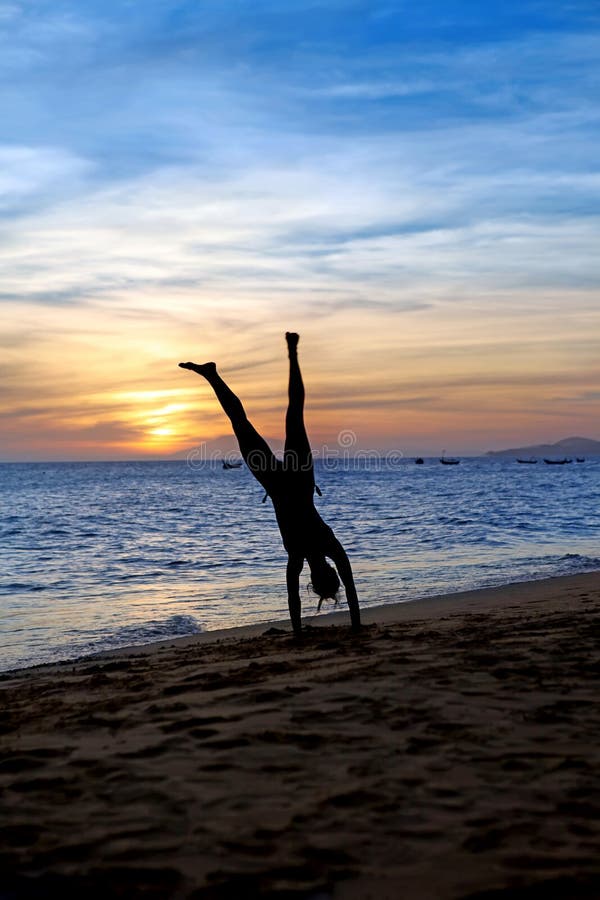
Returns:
(414,187)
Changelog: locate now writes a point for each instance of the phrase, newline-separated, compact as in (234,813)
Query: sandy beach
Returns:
(450,750)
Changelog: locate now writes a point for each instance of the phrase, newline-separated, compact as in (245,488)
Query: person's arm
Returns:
(294,567)
(342,564)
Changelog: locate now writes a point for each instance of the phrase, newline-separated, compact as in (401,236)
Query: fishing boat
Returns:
(448,460)
(528,462)
(557,462)
(231,465)
(580,459)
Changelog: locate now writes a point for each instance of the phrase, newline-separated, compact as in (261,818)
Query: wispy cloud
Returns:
(31,177)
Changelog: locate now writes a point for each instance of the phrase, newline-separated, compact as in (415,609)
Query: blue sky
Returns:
(228,166)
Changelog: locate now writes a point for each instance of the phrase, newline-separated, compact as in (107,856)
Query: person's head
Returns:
(324,579)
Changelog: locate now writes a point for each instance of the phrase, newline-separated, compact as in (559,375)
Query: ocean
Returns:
(95,556)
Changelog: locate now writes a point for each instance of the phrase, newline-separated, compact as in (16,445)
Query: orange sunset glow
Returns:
(100,382)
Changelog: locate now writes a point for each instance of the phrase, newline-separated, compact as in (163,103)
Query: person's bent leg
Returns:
(257,454)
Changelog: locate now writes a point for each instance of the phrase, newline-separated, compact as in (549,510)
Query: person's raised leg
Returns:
(257,454)
(231,403)
(297,446)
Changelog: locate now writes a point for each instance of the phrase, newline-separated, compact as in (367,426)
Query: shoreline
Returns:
(454,603)
(448,750)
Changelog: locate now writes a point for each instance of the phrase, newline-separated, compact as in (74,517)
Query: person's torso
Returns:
(302,528)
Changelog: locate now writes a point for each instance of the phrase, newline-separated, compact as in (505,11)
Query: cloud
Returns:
(31,176)
(375,90)
(302,230)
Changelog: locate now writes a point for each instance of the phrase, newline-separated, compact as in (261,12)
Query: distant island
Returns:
(571,446)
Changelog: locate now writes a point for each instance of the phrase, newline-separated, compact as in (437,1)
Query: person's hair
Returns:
(325,582)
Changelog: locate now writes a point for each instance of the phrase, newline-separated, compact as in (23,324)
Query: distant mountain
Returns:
(571,446)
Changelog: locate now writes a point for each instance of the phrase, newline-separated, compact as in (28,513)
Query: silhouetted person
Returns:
(291,485)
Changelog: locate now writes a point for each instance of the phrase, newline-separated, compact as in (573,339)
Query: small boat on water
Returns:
(419,461)
(528,462)
(580,459)
(231,465)
(448,460)
(557,462)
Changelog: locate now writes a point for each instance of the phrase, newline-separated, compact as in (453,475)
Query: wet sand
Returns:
(451,750)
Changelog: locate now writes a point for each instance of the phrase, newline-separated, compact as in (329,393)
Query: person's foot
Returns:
(292,339)
(206,369)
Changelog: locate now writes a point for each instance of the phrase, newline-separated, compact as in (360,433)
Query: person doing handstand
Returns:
(290,483)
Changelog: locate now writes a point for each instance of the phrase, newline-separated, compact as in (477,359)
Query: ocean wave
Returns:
(23,586)
(132,635)
(156,630)
(135,575)
(578,562)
